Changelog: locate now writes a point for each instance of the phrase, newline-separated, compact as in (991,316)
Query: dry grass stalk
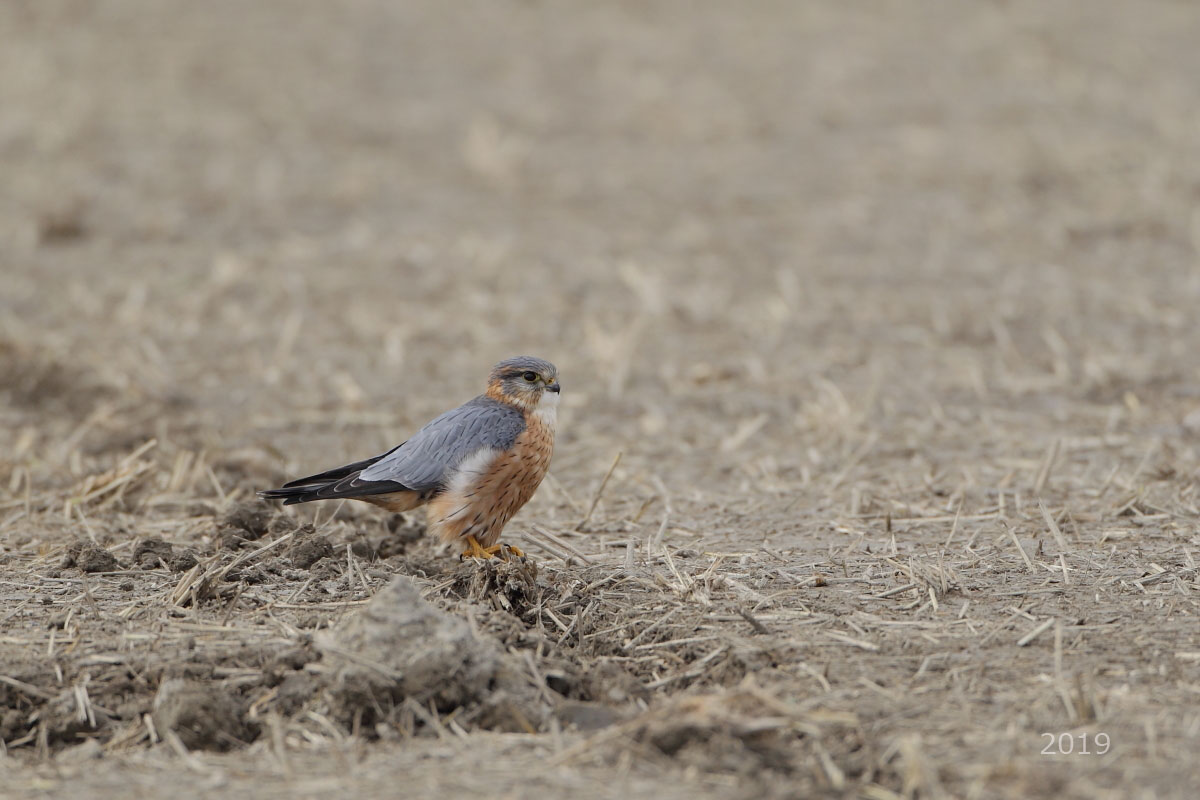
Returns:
(1047,467)
(1053,526)
(560,542)
(599,493)
(1041,628)
(1024,556)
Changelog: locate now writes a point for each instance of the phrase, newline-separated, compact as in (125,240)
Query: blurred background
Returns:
(863,294)
(792,259)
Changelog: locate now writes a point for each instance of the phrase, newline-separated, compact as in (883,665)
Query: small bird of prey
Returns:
(472,467)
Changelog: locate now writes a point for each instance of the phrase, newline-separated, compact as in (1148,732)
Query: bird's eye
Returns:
(530,376)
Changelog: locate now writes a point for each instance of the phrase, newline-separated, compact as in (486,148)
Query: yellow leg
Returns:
(505,550)
(476,550)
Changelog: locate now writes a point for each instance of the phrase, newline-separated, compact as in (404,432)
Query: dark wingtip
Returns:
(284,494)
(309,491)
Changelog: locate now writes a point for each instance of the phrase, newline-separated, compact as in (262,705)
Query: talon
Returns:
(506,551)
(500,550)
(476,550)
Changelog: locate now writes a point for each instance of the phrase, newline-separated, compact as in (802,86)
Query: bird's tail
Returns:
(290,495)
(340,482)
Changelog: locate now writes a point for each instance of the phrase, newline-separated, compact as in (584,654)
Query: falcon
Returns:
(472,467)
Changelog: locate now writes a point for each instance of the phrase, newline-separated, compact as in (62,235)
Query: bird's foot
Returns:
(476,550)
(507,551)
(502,551)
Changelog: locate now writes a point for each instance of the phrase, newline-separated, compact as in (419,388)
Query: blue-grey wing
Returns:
(426,461)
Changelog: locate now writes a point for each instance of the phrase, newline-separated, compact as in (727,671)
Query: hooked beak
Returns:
(553,387)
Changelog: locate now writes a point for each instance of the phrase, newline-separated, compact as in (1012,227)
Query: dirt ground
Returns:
(887,311)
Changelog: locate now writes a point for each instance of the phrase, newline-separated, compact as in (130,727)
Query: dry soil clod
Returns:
(308,548)
(204,716)
(249,520)
(401,653)
(153,552)
(400,646)
(96,559)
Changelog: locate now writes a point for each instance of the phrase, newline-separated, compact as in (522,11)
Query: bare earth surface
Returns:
(888,309)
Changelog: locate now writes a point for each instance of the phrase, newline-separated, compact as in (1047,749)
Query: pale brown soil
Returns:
(888,309)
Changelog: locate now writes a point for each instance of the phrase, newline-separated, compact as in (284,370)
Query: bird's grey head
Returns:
(523,380)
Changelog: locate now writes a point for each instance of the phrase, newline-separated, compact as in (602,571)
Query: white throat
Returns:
(547,408)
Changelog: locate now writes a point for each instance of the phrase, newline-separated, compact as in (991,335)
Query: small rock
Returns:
(251,519)
(152,552)
(363,548)
(183,561)
(96,559)
(309,550)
